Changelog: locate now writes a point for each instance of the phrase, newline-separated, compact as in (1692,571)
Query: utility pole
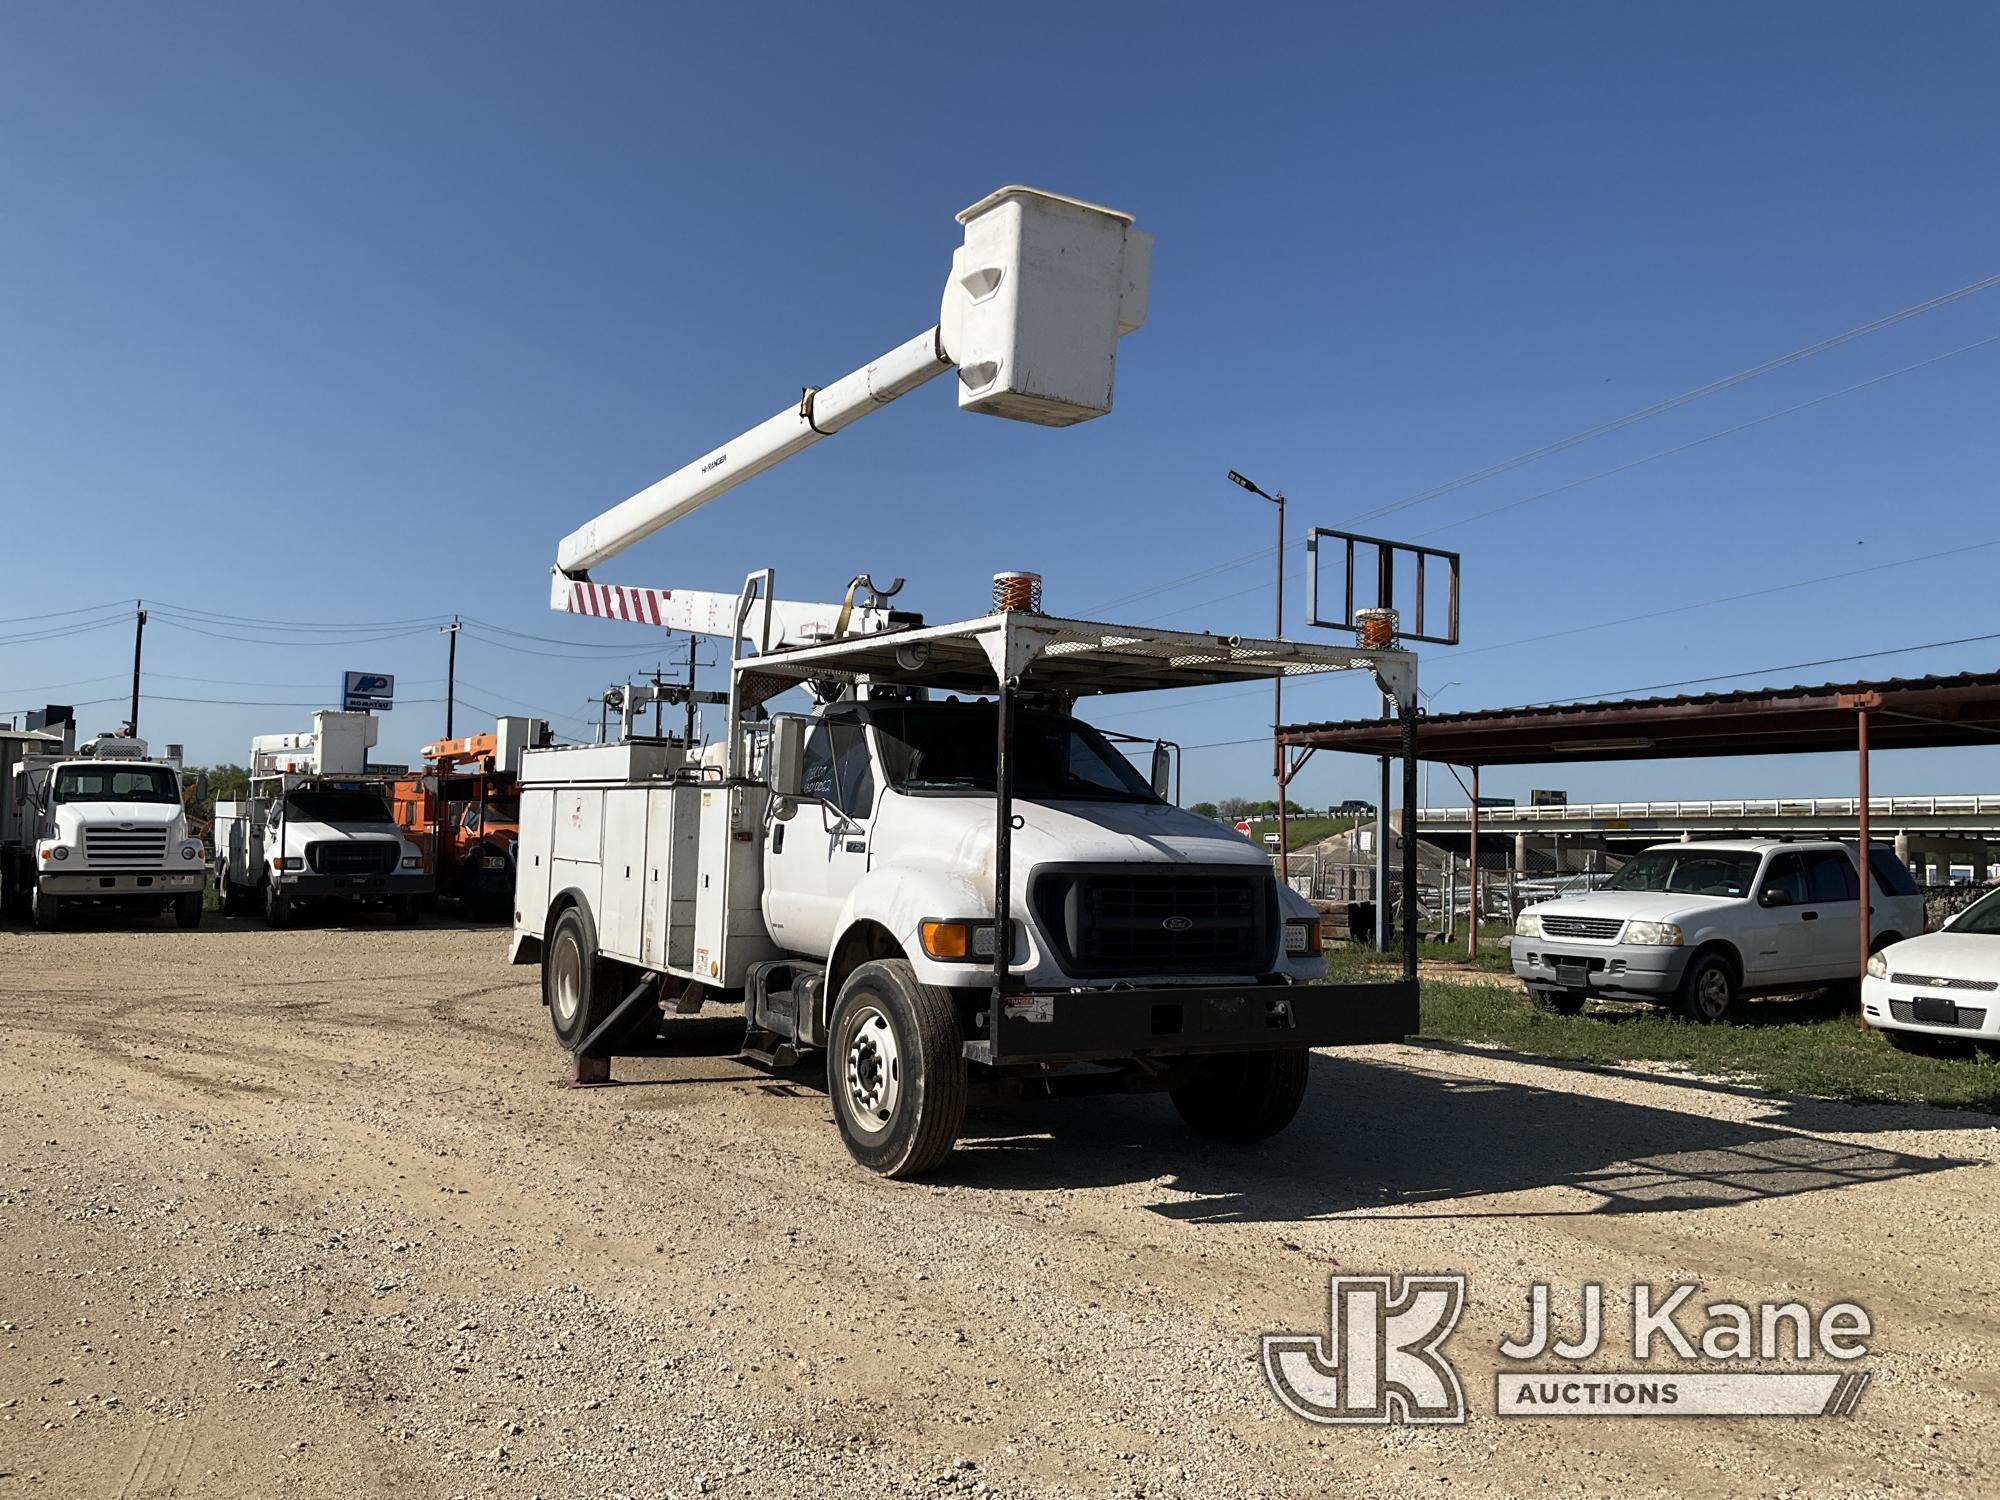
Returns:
(657,681)
(691,710)
(1277,683)
(450,674)
(138,647)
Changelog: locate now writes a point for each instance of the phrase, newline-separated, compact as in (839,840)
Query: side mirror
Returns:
(1775,896)
(785,759)
(1163,770)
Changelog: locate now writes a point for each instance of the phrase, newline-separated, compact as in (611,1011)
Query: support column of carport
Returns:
(1861,703)
(1472,874)
(1409,850)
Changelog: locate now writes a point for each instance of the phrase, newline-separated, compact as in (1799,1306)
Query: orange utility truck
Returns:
(464,807)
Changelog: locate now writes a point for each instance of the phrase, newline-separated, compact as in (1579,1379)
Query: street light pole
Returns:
(1427,708)
(1277,683)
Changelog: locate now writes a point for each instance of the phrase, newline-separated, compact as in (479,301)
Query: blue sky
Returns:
(347,314)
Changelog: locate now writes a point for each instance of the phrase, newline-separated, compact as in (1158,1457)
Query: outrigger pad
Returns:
(589,1072)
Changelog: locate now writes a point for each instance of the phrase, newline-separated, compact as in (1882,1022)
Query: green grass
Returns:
(1805,1044)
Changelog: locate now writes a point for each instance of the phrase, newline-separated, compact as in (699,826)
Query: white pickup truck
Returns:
(1702,925)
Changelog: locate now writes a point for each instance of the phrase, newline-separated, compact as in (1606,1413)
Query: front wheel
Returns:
(1708,989)
(406,910)
(895,1065)
(1244,1097)
(277,906)
(187,911)
(44,908)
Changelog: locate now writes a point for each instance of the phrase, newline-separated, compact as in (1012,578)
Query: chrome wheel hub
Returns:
(874,1072)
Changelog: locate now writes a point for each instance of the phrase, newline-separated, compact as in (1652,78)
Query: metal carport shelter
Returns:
(1897,714)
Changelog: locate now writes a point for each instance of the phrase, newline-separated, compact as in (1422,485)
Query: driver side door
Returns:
(814,858)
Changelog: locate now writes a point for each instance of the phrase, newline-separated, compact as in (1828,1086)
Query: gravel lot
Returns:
(309,1213)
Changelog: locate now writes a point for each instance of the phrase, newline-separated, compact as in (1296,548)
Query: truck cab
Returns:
(104,828)
(889,840)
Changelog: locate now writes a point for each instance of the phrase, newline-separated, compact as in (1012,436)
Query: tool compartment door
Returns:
(619,917)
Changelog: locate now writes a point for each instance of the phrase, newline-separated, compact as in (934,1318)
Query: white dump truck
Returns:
(316,828)
(100,826)
(936,875)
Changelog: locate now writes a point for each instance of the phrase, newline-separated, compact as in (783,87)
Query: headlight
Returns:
(61,851)
(191,850)
(413,862)
(1878,965)
(1653,934)
(1302,935)
(961,942)
(291,862)
(493,861)
(1528,924)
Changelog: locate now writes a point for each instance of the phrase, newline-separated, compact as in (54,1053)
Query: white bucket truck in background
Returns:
(316,828)
(939,878)
(101,826)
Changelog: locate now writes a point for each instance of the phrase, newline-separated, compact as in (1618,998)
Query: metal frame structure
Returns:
(1386,552)
(1896,714)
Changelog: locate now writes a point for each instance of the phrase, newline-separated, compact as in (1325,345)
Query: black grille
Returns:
(338,857)
(1583,927)
(1922,982)
(1185,922)
(1968,1018)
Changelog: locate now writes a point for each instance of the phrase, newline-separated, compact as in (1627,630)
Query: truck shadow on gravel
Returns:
(1404,1141)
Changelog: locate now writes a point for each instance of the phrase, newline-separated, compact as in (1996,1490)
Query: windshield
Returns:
(117,784)
(1689,872)
(500,812)
(949,748)
(1982,917)
(335,806)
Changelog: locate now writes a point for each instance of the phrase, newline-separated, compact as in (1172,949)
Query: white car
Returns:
(1702,925)
(1942,987)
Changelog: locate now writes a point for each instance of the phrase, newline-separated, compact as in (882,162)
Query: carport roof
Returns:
(1904,714)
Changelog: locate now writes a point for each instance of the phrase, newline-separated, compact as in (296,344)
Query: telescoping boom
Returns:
(1039,294)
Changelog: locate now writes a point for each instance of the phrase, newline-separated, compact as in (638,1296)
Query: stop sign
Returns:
(1244,829)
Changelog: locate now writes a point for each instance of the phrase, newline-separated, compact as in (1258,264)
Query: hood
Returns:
(1630,906)
(305,828)
(1947,955)
(958,834)
(147,815)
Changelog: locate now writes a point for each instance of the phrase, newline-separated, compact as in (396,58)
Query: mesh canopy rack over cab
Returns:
(1048,654)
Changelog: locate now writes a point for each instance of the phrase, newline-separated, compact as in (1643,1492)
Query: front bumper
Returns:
(1974,1014)
(1185,1020)
(123,883)
(358,887)
(1614,970)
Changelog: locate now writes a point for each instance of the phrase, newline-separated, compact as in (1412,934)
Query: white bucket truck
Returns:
(101,826)
(316,828)
(938,877)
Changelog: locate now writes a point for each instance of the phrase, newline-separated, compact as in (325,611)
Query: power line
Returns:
(1709,438)
(56,614)
(555,640)
(1796,666)
(1674,403)
(214,617)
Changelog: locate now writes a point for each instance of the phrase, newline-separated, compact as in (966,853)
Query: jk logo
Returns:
(1380,1359)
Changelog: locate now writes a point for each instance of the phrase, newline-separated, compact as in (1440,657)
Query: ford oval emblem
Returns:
(1178,924)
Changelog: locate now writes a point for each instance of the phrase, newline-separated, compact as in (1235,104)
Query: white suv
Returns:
(1704,924)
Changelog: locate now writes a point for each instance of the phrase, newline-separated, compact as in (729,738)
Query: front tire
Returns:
(44,908)
(1244,1097)
(1708,990)
(895,1066)
(277,906)
(406,910)
(187,911)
